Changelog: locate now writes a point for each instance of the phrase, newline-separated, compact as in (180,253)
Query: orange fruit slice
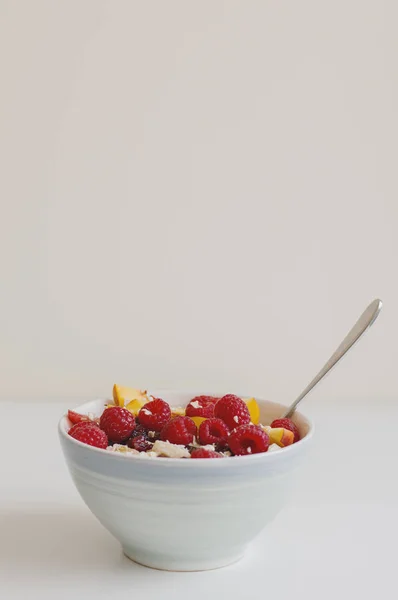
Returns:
(123,395)
(198,420)
(254,410)
(282,437)
(134,406)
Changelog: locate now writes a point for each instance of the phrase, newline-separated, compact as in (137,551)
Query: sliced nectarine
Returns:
(198,420)
(254,410)
(282,437)
(134,406)
(122,395)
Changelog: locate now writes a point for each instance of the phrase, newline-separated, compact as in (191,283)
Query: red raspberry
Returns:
(232,410)
(213,431)
(118,424)
(201,406)
(287,424)
(89,433)
(204,453)
(84,424)
(180,430)
(155,414)
(248,439)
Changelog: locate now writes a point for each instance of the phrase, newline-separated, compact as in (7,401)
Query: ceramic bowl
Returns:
(184,514)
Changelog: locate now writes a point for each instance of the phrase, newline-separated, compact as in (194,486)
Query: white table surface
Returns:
(337,539)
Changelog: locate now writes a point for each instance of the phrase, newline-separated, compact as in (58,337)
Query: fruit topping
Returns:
(201,406)
(232,410)
(118,424)
(143,426)
(287,424)
(254,410)
(155,414)
(213,431)
(180,430)
(123,395)
(282,437)
(204,453)
(75,417)
(90,434)
(248,439)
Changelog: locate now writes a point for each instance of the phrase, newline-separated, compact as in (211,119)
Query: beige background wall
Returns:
(197,194)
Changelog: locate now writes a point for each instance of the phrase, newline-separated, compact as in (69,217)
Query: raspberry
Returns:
(213,431)
(248,439)
(180,430)
(118,424)
(84,424)
(89,433)
(204,453)
(232,410)
(155,414)
(201,406)
(287,424)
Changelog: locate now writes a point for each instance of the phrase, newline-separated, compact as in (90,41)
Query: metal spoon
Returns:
(367,318)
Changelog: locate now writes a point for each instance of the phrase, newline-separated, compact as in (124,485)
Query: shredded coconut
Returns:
(196,404)
(195,443)
(274,448)
(266,428)
(170,450)
(147,454)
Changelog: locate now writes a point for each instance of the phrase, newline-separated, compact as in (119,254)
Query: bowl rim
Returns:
(183,462)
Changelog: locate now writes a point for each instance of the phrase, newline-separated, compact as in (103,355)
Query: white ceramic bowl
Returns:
(184,514)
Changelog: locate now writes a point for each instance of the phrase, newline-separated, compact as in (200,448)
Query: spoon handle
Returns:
(367,318)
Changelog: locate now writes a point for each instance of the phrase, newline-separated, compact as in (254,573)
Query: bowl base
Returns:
(169,564)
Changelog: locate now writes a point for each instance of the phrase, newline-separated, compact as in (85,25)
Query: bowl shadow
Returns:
(68,550)
(53,543)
